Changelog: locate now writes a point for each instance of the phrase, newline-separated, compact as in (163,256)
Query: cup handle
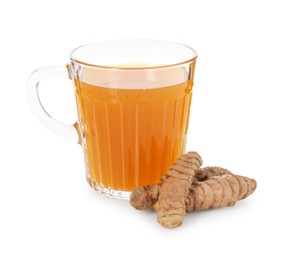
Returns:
(68,131)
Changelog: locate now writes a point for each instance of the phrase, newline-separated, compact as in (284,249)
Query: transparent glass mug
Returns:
(133,99)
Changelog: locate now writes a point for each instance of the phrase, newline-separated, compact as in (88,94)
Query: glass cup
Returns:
(133,100)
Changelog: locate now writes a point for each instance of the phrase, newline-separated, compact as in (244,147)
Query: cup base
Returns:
(108,192)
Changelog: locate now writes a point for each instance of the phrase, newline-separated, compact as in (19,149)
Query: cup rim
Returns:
(117,67)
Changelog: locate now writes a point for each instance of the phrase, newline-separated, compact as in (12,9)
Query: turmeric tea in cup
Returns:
(133,100)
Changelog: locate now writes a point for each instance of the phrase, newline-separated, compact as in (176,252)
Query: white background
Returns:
(241,119)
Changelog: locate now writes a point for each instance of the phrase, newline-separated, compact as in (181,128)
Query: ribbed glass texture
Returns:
(131,136)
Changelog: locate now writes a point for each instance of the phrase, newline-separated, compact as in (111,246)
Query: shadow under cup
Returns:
(133,101)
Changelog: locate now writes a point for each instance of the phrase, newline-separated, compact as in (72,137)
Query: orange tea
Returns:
(132,129)
(133,99)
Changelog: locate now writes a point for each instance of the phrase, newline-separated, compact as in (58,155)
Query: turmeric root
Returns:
(174,190)
(212,187)
(217,187)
